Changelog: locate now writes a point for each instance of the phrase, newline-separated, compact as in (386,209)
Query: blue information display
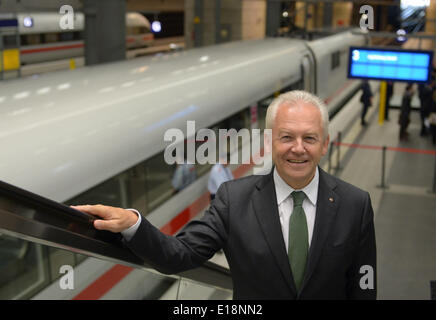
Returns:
(389,64)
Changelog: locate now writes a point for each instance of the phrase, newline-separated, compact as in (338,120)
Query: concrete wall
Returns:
(239,20)
(253,19)
(342,14)
(155,5)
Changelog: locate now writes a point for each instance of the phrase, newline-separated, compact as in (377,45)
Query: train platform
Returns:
(404,201)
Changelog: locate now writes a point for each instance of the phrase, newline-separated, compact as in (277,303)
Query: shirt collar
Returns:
(283,190)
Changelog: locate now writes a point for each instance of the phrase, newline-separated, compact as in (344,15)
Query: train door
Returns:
(308,73)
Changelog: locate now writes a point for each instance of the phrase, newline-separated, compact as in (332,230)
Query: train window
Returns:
(108,192)
(57,258)
(133,31)
(23,269)
(33,39)
(137,188)
(77,35)
(143,30)
(66,36)
(51,37)
(10,41)
(23,40)
(201,169)
(335,59)
(159,176)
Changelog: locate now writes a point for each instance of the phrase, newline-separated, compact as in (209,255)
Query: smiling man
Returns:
(296,233)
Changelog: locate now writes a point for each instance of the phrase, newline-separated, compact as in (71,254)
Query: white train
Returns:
(95,135)
(43,40)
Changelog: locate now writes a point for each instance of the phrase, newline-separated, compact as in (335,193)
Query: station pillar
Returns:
(342,14)
(430,27)
(273,14)
(209,22)
(322,15)
(105,31)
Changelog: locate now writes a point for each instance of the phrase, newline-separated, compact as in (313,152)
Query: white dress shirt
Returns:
(285,203)
(130,232)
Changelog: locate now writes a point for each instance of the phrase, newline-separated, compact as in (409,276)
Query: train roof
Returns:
(64,132)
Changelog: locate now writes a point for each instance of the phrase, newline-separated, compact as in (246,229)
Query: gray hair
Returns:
(291,98)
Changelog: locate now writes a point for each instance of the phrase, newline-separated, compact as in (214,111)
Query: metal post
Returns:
(434,177)
(1,56)
(338,153)
(18,44)
(382,185)
(217,21)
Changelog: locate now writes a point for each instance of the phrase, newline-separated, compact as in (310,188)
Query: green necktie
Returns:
(298,239)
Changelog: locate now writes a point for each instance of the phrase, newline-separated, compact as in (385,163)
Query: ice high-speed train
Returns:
(96,135)
(43,40)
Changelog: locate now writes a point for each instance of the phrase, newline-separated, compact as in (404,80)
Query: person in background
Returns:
(432,122)
(427,105)
(389,93)
(432,109)
(219,174)
(366,99)
(184,175)
(406,107)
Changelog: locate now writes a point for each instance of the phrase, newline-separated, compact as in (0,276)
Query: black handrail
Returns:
(31,217)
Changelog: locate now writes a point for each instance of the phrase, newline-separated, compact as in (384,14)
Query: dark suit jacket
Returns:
(244,221)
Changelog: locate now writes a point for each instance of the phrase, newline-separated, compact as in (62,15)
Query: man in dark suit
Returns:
(296,233)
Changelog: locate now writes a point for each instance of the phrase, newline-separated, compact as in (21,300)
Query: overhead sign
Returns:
(6,23)
(390,64)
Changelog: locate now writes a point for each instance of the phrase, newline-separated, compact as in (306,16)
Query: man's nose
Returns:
(298,147)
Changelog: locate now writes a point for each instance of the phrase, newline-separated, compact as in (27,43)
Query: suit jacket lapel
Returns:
(326,209)
(264,203)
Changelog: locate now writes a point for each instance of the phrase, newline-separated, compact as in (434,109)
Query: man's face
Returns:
(298,143)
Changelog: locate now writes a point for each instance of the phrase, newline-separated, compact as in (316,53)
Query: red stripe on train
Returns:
(71,46)
(37,50)
(104,283)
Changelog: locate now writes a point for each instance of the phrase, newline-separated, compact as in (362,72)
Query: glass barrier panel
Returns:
(23,268)
(192,290)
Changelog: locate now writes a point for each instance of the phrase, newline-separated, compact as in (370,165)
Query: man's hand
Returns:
(114,219)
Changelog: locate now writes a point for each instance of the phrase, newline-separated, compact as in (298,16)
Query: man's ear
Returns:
(267,140)
(325,146)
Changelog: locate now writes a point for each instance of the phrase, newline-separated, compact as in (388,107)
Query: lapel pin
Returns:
(331,200)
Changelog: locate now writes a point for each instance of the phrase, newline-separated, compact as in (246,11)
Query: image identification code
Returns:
(238,309)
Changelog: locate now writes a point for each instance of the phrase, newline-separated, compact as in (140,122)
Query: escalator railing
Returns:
(30,217)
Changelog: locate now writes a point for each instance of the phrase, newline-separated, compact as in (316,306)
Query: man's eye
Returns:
(310,139)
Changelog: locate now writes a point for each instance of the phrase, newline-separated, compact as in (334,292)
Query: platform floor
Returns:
(405,211)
